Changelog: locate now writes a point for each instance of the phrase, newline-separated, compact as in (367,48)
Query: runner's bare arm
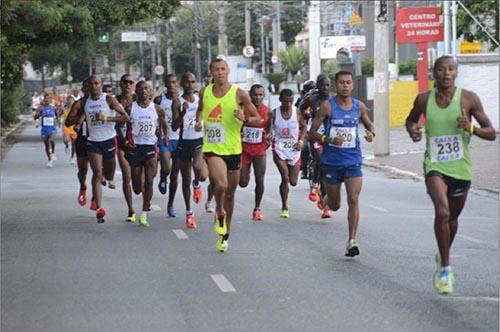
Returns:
(74,114)
(177,114)
(199,112)
(412,126)
(302,130)
(369,129)
(323,113)
(250,114)
(473,107)
(157,100)
(117,107)
(269,127)
(162,119)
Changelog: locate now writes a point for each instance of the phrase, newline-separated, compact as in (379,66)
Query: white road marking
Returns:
(155,207)
(224,284)
(473,298)
(180,234)
(465,237)
(378,208)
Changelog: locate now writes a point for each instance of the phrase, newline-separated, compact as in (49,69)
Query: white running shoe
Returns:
(209,208)
(73,161)
(53,157)
(50,164)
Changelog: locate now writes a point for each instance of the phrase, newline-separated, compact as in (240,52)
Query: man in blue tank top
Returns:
(49,117)
(341,158)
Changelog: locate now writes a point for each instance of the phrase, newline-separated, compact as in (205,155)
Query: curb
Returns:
(12,130)
(489,192)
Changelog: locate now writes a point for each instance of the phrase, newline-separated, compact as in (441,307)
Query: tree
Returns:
(487,12)
(294,59)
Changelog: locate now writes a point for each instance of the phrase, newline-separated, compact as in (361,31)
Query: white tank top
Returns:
(286,134)
(189,120)
(166,105)
(144,123)
(99,131)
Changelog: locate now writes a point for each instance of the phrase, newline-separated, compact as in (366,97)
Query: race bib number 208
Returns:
(215,133)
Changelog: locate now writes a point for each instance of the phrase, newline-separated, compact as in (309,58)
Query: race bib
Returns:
(286,144)
(252,135)
(48,121)
(94,121)
(446,148)
(189,121)
(347,133)
(169,121)
(215,133)
(144,128)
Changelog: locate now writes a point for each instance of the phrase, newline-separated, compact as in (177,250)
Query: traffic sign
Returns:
(159,70)
(248,51)
(134,36)
(274,59)
(103,37)
(69,78)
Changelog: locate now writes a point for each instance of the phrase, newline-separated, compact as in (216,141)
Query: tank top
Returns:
(221,130)
(447,147)
(99,131)
(48,117)
(345,123)
(144,123)
(255,135)
(189,120)
(286,134)
(166,105)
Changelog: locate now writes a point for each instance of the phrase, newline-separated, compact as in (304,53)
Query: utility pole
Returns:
(277,36)
(248,42)
(262,47)
(454,28)
(158,51)
(381,75)
(313,18)
(169,46)
(222,42)
(396,44)
(196,42)
(153,56)
(141,52)
(446,14)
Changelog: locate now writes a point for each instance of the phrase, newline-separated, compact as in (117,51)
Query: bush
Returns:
(275,79)
(13,103)
(409,67)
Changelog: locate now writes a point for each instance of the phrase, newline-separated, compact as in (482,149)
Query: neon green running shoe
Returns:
(218,229)
(437,271)
(445,282)
(352,248)
(143,221)
(284,214)
(131,218)
(222,245)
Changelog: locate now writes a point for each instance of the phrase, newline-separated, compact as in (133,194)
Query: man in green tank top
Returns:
(448,111)
(223,109)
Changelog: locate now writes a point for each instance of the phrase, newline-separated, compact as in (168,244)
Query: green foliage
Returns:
(13,103)
(330,68)
(293,19)
(409,67)
(294,59)
(486,11)
(275,79)
(367,67)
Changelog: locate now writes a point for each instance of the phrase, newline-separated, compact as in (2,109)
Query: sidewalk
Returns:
(406,158)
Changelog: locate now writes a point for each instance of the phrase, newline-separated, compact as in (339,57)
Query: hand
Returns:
(337,140)
(165,140)
(463,121)
(239,114)
(416,133)
(100,117)
(269,140)
(184,108)
(198,126)
(369,135)
(298,146)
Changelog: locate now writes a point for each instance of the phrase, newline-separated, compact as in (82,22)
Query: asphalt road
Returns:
(61,271)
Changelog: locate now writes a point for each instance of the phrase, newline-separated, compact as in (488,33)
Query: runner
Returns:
(341,158)
(224,108)
(69,134)
(190,143)
(126,98)
(49,117)
(254,150)
(145,117)
(100,111)
(448,111)
(289,128)
(168,160)
(108,89)
(81,130)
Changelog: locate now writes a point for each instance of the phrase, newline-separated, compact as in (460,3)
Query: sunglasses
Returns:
(128,82)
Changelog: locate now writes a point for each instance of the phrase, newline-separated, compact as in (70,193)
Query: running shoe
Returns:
(313,193)
(352,248)
(162,186)
(93,204)
(257,215)
(111,184)
(143,221)
(191,221)
(321,203)
(171,212)
(82,197)
(66,149)
(218,229)
(222,245)
(284,214)
(131,218)
(103,180)
(50,164)
(197,194)
(327,213)
(100,213)
(209,207)
(73,161)
(437,271)
(445,282)
(53,157)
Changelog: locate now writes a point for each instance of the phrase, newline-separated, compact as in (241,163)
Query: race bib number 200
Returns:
(215,133)
(446,148)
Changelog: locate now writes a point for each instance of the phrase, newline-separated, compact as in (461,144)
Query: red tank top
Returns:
(254,137)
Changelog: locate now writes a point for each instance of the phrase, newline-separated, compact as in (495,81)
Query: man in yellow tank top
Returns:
(222,110)
(448,128)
